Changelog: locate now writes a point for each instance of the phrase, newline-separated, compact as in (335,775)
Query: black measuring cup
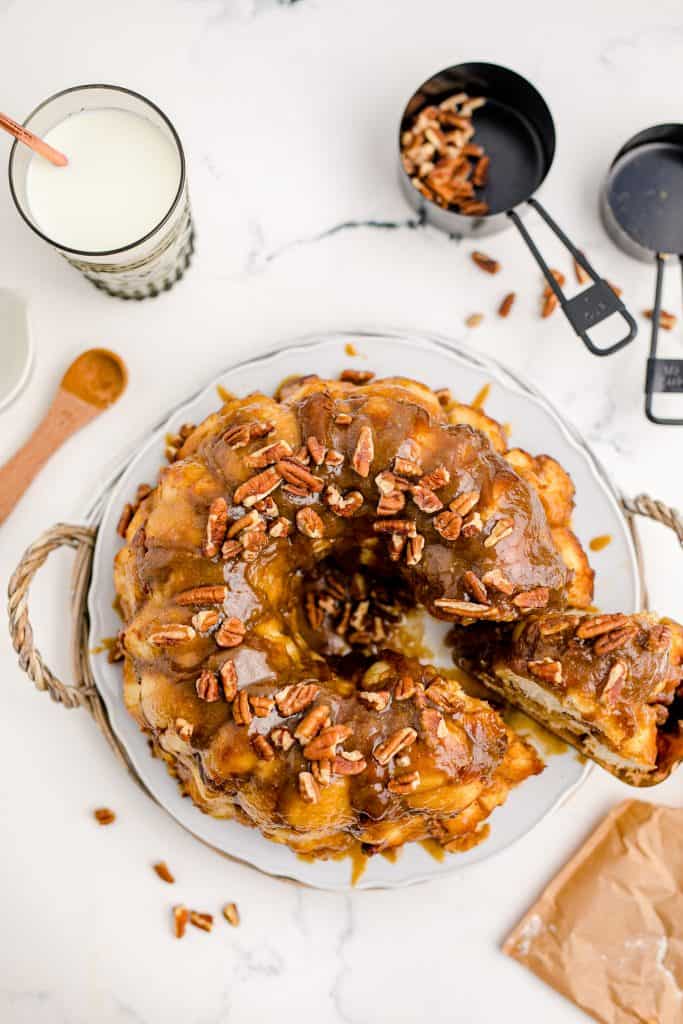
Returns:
(516,129)
(642,209)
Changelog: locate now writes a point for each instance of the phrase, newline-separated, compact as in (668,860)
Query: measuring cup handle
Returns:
(589,307)
(664,376)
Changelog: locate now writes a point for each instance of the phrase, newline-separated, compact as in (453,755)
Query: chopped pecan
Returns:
(322,771)
(404,527)
(349,762)
(206,620)
(216,525)
(558,624)
(609,642)
(267,507)
(280,528)
(414,549)
(253,541)
(207,686)
(262,748)
(502,528)
(549,305)
(181,915)
(231,632)
(465,502)
(434,724)
(485,262)
(364,452)
(184,729)
(104,816)
(536,598)
(399,740)
(388,482)
(257,487)
(405,688)
(507,304)
(481,171)
(498,580)
(172,634)
(378,700)
(408,782)
(334,459)
(299,476)
(474,586)
(582,276)
(614,683)
(666,320)
(397,542)
(201,920)
(162,870)
(659,637)
(228,677)
(242,433)
(343,505)
(261,705)
(404,466)
(325,743)
(425,499)
(472,525)
(308,788)
(343,419)
(251,521)
(317,718)
(356,376)
(269,454)
(231,914)
(241,709)
(437,479)
(202,595)
(124,520)
(292,699)
(596,625)
(467,608)
(547,669)
(309,523)
(448,524)
(281,738)
(474,320)
(231,549)
(439,693)
(317,449)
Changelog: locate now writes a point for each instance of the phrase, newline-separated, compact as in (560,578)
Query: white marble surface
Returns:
(289,113)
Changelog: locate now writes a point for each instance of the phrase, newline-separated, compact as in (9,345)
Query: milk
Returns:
(121,180)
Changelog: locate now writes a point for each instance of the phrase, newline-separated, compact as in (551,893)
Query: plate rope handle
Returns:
(646,506)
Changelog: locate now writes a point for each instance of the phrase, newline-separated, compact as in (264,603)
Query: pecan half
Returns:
(343,505)
(391,504)
(292,699)
(228,678)
(404,527)
(299,476)
(387,482)
(334,459)
(474,586)
(162,870)
(104,816)
(322,772)
(498,580)
(465,502)
(269,454)
(614,683)
(207,686)
(262,748)
(399,740)
(267,507)
(231,633)
(405,688)
(202,595)
(408,782)
(308,788)
(485,262)
(201,920)
(467,608)
(596,625)
(242,433)
(317,450)
(397,542)
(425,499)
(253,541)
(231,914)
(325,743)
(507,304)
(206,620)
(502,528)
(172,635)
(472,525)
(257,487)
(547,669)
(414,549)
(378,700)
(309,523)
(241,710)
(553,626)
(280,528)
(437,479)
(406,466)
(448,524)
(536,598)
(261,705)
(364,452)
(609,642)
(312,722)
(251,521)
(231,549)
(216,525)
(349,762)
(659,637)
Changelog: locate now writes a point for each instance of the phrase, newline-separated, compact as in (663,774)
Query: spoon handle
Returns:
(66,415)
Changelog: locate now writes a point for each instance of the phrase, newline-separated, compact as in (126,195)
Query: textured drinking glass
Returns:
(145,266)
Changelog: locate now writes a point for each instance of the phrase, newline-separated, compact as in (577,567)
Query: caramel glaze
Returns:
(466,770)
(639,714)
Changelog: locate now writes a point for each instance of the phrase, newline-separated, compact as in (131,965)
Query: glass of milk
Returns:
(119,212)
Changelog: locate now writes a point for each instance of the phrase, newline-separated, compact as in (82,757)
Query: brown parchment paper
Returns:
(608,931)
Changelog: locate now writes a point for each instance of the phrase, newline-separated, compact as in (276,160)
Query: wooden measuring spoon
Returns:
(95,380)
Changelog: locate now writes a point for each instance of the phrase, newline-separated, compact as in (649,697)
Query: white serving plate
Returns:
(536,426)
